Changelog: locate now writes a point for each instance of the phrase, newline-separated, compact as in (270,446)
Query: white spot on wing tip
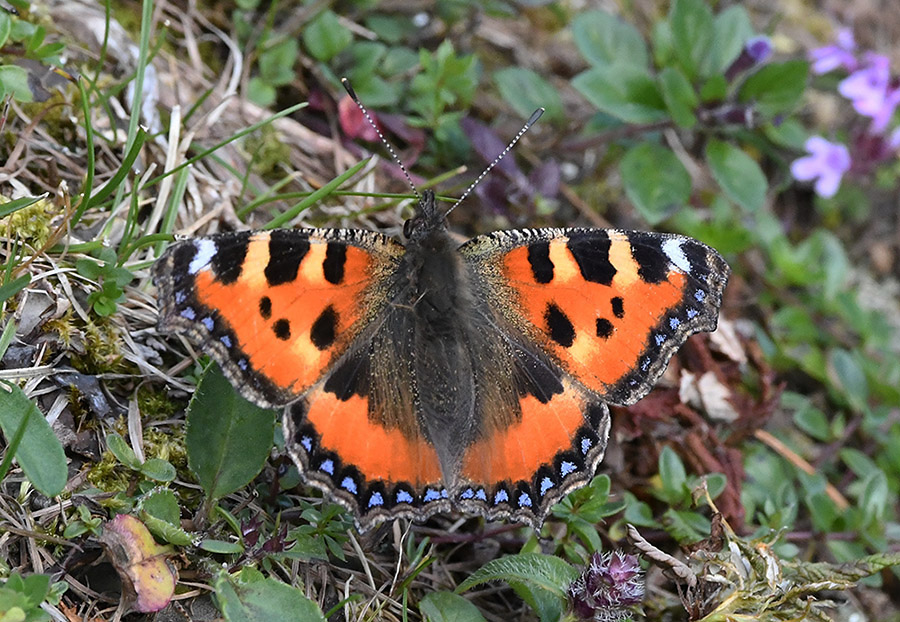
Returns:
(205,251)
(672,249)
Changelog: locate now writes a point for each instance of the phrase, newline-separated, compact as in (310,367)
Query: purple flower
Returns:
(826,163)
(608,587)
(756,51)
(830,57)
(871,91)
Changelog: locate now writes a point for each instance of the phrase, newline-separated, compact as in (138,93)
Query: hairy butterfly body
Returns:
(424,376)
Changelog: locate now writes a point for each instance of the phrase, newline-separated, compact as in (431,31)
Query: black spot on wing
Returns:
(350,377)
(591,253)
(604,328)
(324,329)
(559,326)
(282,329)
(265,307)
(286,251)
(539,259)
(646,249)
(618,306)
(333,266)
(182,256)
(228,261)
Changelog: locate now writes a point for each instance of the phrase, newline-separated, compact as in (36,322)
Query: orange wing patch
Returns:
(277,308)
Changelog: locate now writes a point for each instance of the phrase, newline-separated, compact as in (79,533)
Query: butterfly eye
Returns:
(408,228)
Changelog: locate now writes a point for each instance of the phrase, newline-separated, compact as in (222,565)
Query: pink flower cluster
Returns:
(608,589)
(874,93)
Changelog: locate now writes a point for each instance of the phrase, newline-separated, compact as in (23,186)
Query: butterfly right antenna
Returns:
(384,140)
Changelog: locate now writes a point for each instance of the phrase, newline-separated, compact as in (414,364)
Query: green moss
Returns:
(269,152)
(31,224)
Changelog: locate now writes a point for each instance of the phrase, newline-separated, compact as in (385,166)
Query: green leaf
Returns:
(158,470)
(732,29)
(626,92)
(737,174)
(276,63)
(545,572)
(847,375)
(672,474)
(228,439)
(679,95)
(221,547)
(655,181)
(606,40)
(692,34)
(8,290)
(39,453)
(123,453)
(686,527)
(252,598)
(13,206)
(526,91)
(325,37)
(14,83)
(5,27)
(448,607)
(777,88)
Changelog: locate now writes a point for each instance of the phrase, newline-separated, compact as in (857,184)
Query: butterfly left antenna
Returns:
(384,140)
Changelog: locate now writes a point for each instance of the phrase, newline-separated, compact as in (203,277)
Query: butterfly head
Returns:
(427,219)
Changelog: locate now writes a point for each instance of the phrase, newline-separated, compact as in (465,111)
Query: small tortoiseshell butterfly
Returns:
(424,375)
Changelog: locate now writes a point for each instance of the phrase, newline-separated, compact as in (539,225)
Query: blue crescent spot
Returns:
(208,323)
(546,484)
(188,313)
(645,364)
(692,313)
(468,493)
(567,467)
(524,500)
(306,441)
(674,323)
(348,484)
(431,495)
(444,494)
(226,340)
(376,499)
(404,497)
(242,363)
(480,494)
(586,445)
(700,295)
(180,297)
(660,339)
(327,466)
(501,497)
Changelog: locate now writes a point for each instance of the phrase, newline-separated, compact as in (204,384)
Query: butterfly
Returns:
(420,375)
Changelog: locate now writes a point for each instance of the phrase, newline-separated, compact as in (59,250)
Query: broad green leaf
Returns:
(655,181)
(626,92)
(545,572)
(5,27)
(14,83)
(526,91)
(276,62)
(547,605)
(732,29)
(161,514)
(325,36)
(847,375)
(686,527)
(692,34)
(679,95)
(228,439)
(737,174)
(448,607)
(672,473)
(250,597)
(39,453)
(158,470)
(606,40)
(776,88)
(221,547)
(123,453)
